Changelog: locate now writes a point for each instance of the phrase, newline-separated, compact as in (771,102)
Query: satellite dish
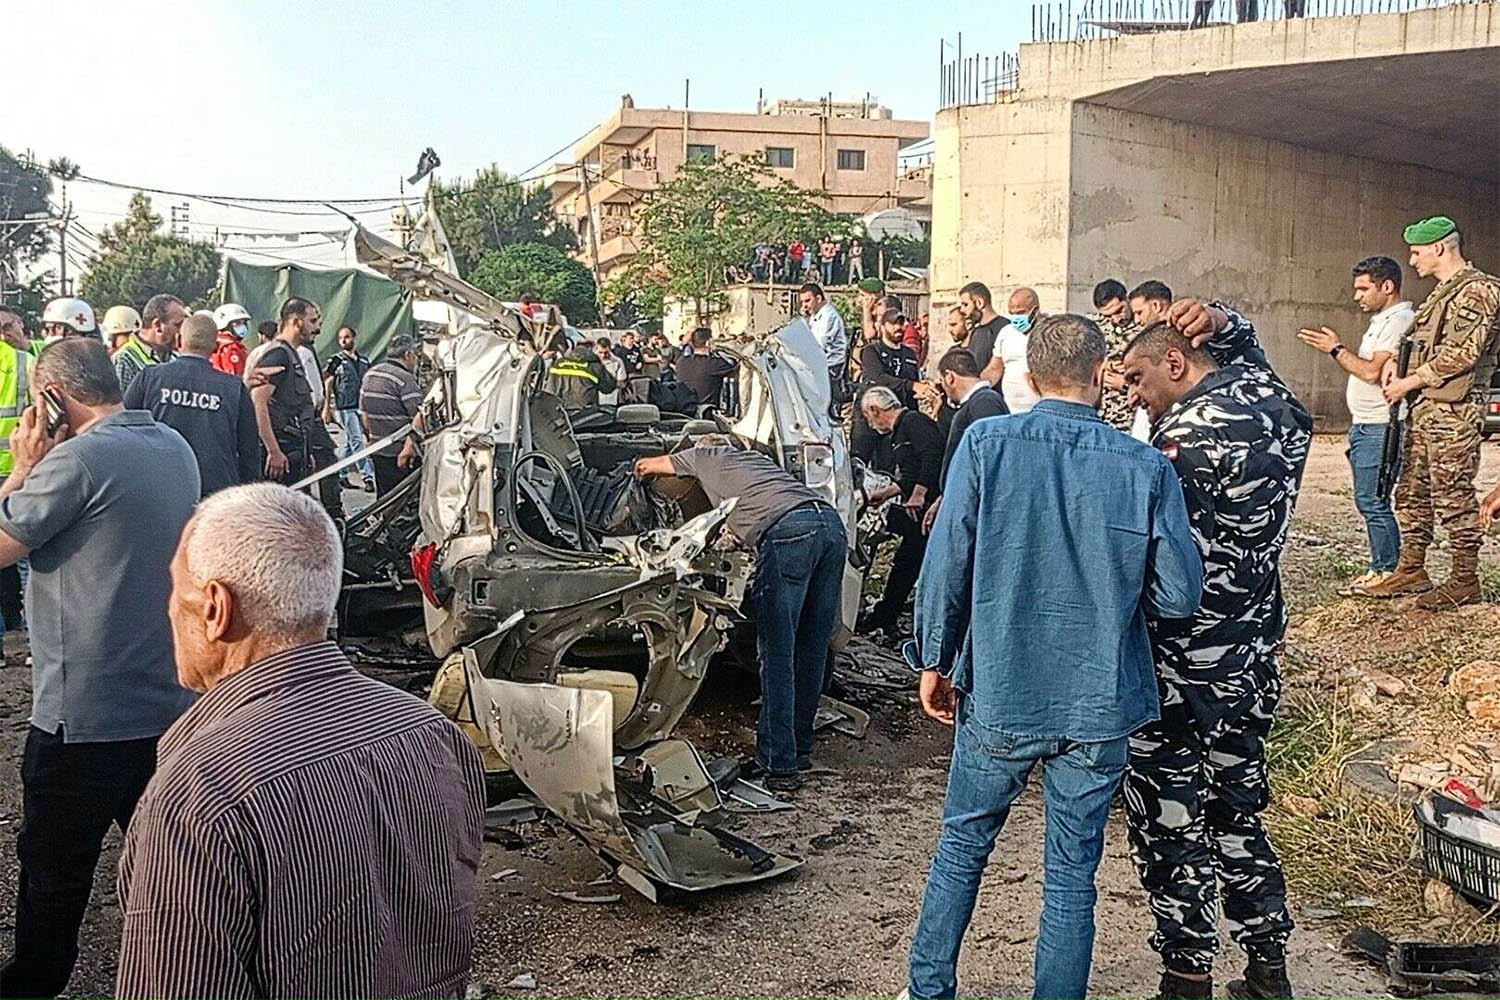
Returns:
(892,223)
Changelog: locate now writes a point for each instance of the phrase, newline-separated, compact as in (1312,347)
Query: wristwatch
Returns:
(1335,351)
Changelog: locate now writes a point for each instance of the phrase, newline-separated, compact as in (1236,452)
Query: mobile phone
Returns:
(52,405)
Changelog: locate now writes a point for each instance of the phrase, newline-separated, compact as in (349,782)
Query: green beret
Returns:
(1429,230)
(871,285)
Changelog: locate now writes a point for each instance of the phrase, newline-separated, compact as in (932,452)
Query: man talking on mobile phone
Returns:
(97,506)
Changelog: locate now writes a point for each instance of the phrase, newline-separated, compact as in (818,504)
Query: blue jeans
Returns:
(799,575)
(989,770)
(827,269)
(1365,445)
(354,440)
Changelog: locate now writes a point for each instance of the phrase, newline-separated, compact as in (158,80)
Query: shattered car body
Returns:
(574,610)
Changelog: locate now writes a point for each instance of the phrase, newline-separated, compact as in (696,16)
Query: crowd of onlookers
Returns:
(830,260)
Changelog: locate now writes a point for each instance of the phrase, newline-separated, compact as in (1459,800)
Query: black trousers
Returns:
(1201,10)
(389,475)
(71,793)
(309,455)
(905,568)
(11,604)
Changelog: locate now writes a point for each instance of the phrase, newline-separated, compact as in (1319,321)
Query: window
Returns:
(701,154)
(780,156)
(851,159)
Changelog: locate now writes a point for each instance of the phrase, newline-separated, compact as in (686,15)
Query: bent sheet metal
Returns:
(560,743)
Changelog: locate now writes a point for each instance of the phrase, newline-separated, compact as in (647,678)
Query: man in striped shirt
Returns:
(309,832)
(390,398)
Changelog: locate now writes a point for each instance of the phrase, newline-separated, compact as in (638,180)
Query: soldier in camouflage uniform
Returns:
(1197,782)
(1112,313)
(1453,356)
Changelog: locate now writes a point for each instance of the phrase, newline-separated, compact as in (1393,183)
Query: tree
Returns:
(24,188)
(628,301)
(898,251)
(135,261)
(710,217)
(542,271)
(495,210)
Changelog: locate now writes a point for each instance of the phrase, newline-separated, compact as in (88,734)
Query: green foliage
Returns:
(710,216)
(27,300)
(899,252)
(495,210)
(542,271)
(847,307)
(628,301)
(135,261)
(24,188)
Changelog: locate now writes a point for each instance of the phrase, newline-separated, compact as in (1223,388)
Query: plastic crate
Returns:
(1470,867)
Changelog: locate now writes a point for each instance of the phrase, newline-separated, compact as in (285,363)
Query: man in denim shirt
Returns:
(1057,535)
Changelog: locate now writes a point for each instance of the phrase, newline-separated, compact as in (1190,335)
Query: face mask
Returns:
(240,330)
(1021,321)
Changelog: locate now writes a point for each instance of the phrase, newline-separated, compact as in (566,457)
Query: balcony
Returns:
(629,175)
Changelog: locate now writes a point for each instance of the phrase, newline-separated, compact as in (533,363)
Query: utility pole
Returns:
(62,245)
(588,206)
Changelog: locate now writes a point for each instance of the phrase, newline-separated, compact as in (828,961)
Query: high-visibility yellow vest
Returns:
(15,376)
(574,368)
(135,349)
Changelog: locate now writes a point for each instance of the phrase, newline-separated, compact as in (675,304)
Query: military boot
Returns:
(1462,586)
(1175,987)
(1263,981)
(1409,578)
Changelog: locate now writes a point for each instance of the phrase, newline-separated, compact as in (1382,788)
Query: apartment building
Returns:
(849,150)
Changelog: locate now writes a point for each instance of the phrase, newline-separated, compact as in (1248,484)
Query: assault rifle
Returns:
(1395,431)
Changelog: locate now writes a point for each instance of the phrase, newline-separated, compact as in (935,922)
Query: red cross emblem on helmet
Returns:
(80,319)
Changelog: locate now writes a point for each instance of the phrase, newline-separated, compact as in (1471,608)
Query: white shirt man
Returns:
(827,328)
(1367,403)
(1010,347)
(314,375)
(615,365)
(1377,291)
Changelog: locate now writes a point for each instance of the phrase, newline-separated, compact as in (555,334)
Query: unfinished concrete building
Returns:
(1252,163)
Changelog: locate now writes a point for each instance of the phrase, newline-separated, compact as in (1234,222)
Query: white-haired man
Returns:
(917,456)
(309,831)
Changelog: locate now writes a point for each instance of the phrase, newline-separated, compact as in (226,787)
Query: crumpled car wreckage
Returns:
(575,611)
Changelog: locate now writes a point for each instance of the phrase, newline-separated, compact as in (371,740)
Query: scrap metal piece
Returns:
(560,743)
(1417,969)
(841,717)
(578,897)
(747,797)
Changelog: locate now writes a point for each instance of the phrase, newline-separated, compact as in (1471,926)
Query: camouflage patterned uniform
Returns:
(1197,781)
(1113,407)
(1454,337)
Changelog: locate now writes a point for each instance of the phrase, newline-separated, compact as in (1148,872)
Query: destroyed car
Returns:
(575,611)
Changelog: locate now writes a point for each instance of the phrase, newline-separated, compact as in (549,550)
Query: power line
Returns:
(230,197)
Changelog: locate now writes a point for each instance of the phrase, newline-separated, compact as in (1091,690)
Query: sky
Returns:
(335,99)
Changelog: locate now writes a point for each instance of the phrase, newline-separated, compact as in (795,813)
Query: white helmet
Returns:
(74,313)
(228,314)
(121,319)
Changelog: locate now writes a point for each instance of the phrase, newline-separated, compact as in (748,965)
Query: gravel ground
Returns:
(866,823)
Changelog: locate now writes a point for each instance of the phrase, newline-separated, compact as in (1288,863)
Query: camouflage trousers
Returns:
(1193,794)
(1437,482)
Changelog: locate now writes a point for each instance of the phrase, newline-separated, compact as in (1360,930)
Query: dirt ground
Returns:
(866,824)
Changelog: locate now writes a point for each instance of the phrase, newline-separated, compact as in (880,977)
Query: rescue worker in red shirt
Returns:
(230,353)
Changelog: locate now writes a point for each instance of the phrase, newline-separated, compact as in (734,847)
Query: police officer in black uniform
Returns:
(210,409)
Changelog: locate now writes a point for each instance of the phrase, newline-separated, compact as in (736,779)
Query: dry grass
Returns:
(1355,845)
